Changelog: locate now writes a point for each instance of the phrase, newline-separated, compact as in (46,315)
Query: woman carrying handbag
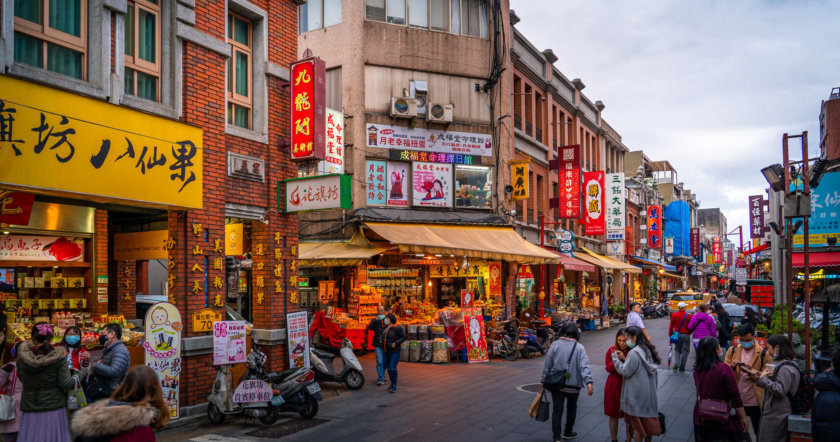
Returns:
(719,412)
(11,387)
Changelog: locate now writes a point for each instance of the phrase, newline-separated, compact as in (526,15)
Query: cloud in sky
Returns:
(710,86)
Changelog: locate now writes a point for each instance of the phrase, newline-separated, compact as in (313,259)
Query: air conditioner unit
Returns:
(403,107)
(441,113)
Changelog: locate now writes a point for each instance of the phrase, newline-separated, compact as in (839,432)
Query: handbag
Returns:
(7,399)
(76,398)
(556,380)
(535,404)
(675,336)
(542,409)
(661,424)
(712,411)
(97,388)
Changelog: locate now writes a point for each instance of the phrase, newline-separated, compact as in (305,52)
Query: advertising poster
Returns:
(41,248)
(334,150)
(594,203)
(494,288)
(297,328)
(474,330)
(654,226)
(614,201)
(432,184)
(308,94)
(228,342)
(467,298)
(163,350)
(519,179)
(375,178)
(397,184)
(384,136)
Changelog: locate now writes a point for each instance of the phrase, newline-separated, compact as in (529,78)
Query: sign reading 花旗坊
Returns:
(56,140)
(317,192)
(825,212)
(384,136)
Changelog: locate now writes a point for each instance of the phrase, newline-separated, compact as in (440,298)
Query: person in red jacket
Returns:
(679,324)
(132,413)
(612,389)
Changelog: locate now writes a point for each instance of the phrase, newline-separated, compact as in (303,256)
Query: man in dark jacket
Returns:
(825,424)
(377,327)
(112,365)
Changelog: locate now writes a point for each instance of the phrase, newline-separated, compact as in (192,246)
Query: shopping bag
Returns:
(532,410)
(542,410)
(76,397)
(7,399)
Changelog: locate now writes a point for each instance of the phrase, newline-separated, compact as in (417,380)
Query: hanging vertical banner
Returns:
(568,167)
(334,149)
(614,200)
(474,330)
(308,112)
(594,203)
(716,249)
(375,176)
(163,350)
(432,184)
(494,288)
(756,216)
(298,339)
(654,226)
(519,180)
(397,186)
(695,242)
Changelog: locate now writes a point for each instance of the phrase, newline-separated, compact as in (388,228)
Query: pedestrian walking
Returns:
(750,318)
(11,385)
(566,359)
(702,324)
(825,414)
(392,337)
(46,380)
(612,388)
(377,325)
(131,414)
(634,318)
(112,365)
(638,390)
(725,332)
(679,325)
(78,357)
(748,359)
(715,381)
(779,383)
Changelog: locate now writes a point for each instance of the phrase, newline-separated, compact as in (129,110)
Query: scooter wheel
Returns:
(216,416)
(270,417)
(310,407)
(526,353)
(353,379)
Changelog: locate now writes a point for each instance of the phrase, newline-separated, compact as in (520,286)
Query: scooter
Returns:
(351,370)
(529,343)
(649,309)
(252,396)
(661,309)
(296,391)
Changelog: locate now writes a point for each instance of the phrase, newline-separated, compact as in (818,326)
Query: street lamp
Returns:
(774,174)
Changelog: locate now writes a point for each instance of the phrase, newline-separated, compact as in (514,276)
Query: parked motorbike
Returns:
(662,309)
(255,402)
(296,391)
(530,343)
(351,370)
(506,340)
(649,309)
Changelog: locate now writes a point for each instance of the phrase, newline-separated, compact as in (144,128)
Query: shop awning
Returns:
(667,267)
(673,275)
(606,262)
(333,254)
(760,248)
(817,259)
(497,243)
(570,263)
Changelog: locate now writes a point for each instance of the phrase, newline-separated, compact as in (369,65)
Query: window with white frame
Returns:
(142,49)
(239,94)
(465,17)
(316,14)
(473,187)
(52,35)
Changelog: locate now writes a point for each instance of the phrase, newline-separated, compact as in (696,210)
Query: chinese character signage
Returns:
(494,287)
(297,327)
(426,140)
(432,184)
(55,140)
(41,248)
(594,203)
(308,113)
(203,320)
(317,192)
(15,207)
(695,242)
(334,150)
(614,201)
(252,391)
(163,350)
(397,184)
(474,330)
(825,213)
(432,157)
(228,342)
(716,251)
(246,167)
(654,226)
(756,216)
(568,168)
(519,180)
(375,172)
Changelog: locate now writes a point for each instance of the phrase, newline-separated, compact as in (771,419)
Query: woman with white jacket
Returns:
(638,391)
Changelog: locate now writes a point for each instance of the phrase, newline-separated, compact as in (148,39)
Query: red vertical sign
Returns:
(593,185)
(308,92)
(654,226)
(695,242)
(716,249)
(568,167)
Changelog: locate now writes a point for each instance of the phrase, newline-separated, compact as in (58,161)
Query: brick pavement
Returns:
(461,401)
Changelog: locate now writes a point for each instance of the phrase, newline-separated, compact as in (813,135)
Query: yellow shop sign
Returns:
(55,140)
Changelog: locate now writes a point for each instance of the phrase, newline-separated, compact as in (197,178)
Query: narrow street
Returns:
(461,402)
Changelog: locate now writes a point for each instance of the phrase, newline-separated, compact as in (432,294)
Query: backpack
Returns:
(803,399)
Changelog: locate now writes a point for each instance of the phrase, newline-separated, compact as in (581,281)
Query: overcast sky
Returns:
(710,86)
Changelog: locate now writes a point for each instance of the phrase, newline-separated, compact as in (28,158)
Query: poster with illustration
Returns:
(163,350)
(432,184)
(474,331)
(298,339)
(228,342)
(397,184)
(467,298)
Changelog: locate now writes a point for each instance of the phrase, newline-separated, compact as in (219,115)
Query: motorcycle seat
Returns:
(279,377)
(322,354)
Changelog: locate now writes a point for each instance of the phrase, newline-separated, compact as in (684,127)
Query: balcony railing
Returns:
(517,121)
(529,128)
(539,135)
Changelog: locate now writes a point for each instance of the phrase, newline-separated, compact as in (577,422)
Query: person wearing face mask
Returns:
(392,337)
(112,365)
(77,357)
(638,390)
(377,325)
(748,359)
(778,383)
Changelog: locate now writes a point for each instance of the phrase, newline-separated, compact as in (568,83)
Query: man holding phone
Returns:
(749,359)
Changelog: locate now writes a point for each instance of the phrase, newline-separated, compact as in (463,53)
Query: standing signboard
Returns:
(308,112)
(228,342)
(695,242)
(756,207)
(654,226)
(297,328)
(594,203)
(474,330)
(163,350)
(614,199)
(432,184)
(568,167)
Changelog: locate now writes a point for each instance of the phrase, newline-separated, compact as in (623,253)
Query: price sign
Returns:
(203,320)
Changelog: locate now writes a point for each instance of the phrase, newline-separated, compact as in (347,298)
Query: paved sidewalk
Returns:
(460,402)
